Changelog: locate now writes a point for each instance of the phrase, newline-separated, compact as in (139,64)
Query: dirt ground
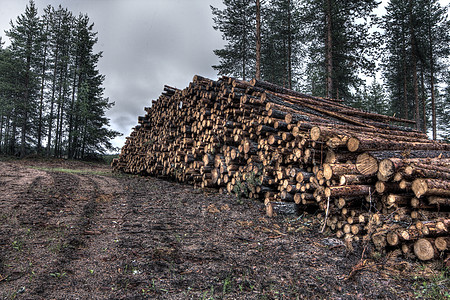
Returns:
(73,230)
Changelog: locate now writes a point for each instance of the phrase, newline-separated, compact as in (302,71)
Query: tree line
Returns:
(51,94)
(331,48)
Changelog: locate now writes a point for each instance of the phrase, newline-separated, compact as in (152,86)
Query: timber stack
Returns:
(368,177)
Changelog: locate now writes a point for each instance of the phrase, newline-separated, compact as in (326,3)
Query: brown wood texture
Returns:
(361,175)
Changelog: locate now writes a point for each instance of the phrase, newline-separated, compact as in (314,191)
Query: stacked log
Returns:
(367,176)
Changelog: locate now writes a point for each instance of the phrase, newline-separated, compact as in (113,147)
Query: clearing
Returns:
(73,230)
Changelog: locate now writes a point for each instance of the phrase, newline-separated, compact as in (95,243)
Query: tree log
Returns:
(431,187)
(348,190)
(424,249)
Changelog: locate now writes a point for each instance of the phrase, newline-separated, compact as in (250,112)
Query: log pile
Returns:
(369,176)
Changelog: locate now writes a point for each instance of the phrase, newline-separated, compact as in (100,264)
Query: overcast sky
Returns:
(146,44)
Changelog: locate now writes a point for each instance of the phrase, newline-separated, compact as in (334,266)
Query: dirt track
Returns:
(86,233)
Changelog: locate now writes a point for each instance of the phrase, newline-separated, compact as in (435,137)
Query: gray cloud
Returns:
(146,44)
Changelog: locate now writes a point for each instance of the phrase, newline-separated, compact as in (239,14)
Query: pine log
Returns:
(336,170)
(423,172)
(424,249)
(442,243)
(353,179)
(431,187)
(373,143)
(433,200)
(387,187)
(348,190)
(366,164)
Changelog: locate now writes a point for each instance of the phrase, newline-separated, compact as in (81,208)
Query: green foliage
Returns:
(227,285)
(58,275)
(50,87)
(108,158)
(436,287)
(351,47)
(371,98)
(241,188)
(17,245)
(236,22)
(416,44)
(281,42)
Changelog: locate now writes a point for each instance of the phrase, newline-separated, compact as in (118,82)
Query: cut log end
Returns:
(315,133)
(366,164)
(353,144)
(442,243)
(386,168)
(419,187)
(392,238)
(423,249)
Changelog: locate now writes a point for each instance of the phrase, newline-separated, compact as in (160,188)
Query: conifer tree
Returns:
(339,44)
(24,37)
(417,42)
(282,43)
(237,23)
(396,68)
(50,87)
(436,44)
(443,111)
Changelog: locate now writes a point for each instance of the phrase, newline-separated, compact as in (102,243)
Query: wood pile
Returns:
(368,176)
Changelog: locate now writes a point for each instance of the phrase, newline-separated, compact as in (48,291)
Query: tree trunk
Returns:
(26,100)
(289,50)
(405,80)
(50,122)
(423,100)
(433,99)
(41,98)
(329,50)
(414,66)
(258,39)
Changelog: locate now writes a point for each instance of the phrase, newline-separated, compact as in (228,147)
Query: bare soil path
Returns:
(71,230)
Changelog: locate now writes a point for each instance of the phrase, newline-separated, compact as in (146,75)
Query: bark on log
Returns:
(348,190)
(431,187)
(273,144)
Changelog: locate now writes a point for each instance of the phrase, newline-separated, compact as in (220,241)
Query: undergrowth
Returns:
(436,286)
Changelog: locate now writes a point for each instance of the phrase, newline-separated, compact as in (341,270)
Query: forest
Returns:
(395,64)
(51,94)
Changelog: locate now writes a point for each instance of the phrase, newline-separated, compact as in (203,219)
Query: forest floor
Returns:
(74,230)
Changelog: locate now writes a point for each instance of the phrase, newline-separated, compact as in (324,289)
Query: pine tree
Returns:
(11,92)
(237,23)
(397,70)
(258,40)
(372,97)
(24,37)
(436,44)
(281,43)
(339,43)
(50,87)
(44,68)
(417,45)
(443,111)
(88,132)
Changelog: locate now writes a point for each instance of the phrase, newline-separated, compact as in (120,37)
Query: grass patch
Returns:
(108,158)
(436,286)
